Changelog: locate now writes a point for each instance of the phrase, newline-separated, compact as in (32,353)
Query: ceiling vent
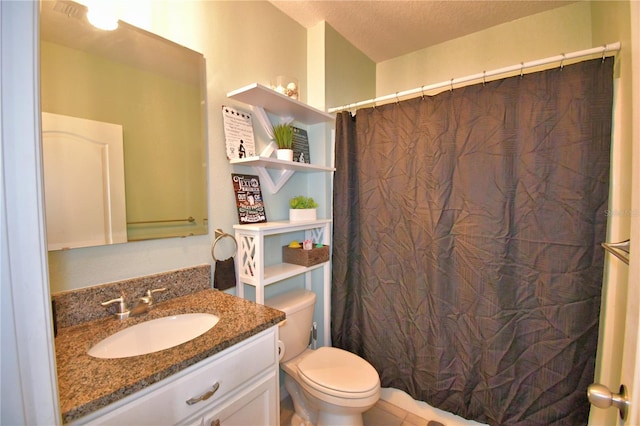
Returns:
(68,8)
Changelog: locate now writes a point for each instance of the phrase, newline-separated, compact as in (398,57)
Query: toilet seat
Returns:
(339,373)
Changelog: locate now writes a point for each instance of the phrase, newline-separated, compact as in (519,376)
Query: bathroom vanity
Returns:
(228,375)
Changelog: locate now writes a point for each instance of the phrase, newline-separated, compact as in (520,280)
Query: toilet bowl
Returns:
(337,385)
(328,386)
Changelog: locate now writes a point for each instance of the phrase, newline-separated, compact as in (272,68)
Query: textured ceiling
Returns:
(386,29)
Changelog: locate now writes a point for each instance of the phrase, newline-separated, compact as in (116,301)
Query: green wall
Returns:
(350,74)
(545,34)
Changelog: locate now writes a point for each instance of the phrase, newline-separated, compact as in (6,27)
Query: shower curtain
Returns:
(467,265)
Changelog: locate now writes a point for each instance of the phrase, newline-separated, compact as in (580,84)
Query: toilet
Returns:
(328,386)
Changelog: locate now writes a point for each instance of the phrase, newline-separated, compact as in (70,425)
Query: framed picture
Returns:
(301,146)
(248,198)
(238,133)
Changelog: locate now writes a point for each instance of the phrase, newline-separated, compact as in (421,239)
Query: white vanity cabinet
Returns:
(244,377)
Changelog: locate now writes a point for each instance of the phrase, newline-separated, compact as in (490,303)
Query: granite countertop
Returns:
(86,384)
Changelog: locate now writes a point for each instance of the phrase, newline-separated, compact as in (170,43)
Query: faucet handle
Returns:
(150,293)
(122,311)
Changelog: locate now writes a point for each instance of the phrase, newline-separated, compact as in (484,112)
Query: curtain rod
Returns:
(613,47)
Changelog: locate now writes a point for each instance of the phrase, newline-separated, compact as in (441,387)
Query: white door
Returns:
(84,182)
(624,312)
(631,351)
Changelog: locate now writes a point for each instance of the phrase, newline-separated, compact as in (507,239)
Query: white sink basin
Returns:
(154,335)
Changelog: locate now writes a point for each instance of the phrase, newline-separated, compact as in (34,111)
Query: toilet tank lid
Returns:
(292,301)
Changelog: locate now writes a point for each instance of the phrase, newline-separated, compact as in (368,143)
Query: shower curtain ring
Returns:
(484,77)
(604,52)
(562,62)
(451,87)
(521,69)
(422,90)
(397,100)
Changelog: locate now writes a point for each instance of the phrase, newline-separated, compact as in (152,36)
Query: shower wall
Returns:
(545,34)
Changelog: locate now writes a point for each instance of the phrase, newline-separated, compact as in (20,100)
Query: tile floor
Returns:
(382,414)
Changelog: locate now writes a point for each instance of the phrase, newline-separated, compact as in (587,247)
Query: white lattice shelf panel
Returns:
(250,256)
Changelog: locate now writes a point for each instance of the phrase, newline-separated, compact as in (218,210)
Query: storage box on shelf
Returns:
(300,256)
(250,261)
(262,97)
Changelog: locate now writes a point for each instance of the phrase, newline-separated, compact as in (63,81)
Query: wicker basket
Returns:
(299,256)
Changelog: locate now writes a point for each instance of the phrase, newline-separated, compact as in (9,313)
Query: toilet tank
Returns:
(294,331)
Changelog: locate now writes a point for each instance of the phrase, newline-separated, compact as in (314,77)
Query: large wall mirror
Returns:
(124,132)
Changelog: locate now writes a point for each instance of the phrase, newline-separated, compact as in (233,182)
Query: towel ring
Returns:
(220,234)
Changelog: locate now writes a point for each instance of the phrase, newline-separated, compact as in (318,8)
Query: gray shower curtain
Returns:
(467,265)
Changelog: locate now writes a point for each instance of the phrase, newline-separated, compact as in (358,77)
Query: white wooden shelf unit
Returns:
(283,106)
(251,265)
(262,97)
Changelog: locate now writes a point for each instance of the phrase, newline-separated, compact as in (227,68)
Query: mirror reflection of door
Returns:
(155,89)
(84,182)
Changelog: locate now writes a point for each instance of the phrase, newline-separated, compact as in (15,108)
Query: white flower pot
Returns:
(284,154)
(302,215)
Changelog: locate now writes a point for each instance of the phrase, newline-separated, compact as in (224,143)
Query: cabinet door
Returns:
(257,406)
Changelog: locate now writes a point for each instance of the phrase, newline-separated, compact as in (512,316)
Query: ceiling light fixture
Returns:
(102,16)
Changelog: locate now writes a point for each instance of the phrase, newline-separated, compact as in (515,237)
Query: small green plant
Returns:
(302,202)
(283,135)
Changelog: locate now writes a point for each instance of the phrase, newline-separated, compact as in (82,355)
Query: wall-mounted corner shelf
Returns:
(620,250)
(286,170)
(273,163)
(261,96)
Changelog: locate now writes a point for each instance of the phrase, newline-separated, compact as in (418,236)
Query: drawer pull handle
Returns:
(204,396)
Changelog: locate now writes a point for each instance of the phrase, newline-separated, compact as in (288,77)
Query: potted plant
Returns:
(283,135)
(302,208)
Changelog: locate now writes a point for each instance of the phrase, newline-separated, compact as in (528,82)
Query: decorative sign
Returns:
(248,198)
(300,146)
(238,131)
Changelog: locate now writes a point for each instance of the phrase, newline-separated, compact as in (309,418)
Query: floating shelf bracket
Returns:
(273,186)
(283,175)
(620,250)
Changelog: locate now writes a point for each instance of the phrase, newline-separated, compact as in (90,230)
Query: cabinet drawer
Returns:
(166,402)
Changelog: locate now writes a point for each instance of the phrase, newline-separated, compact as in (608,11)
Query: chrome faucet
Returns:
(142,306)
(122,312)
(145,303)
(150,293)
